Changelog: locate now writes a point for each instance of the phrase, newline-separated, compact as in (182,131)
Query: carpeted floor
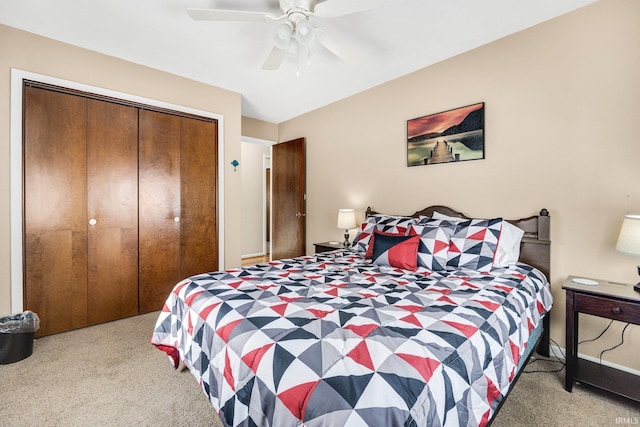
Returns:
(109,375)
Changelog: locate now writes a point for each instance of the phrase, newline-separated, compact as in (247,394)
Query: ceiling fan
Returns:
(295,27)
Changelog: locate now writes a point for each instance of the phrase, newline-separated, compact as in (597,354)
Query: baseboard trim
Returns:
(253,255)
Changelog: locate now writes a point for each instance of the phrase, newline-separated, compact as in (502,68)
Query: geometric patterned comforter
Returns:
(331,339)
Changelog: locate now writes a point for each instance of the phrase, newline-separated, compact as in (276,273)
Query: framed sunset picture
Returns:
(450,136)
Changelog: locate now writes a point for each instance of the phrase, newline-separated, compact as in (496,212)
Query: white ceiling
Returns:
(392,40)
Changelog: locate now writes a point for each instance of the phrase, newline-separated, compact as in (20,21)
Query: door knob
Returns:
(93,221)
(176,219)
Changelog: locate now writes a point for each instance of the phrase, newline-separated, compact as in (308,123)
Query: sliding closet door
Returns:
(199,233)
(112,211)
(55,209)
(159,207)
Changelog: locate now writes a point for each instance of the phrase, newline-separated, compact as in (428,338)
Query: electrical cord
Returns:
(601,333)
(617,345)
(546,371)
(563,357)
(553,354)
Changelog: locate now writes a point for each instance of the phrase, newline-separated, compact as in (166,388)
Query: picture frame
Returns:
(450,136)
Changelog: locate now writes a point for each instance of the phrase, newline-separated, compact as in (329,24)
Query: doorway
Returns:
(256,200)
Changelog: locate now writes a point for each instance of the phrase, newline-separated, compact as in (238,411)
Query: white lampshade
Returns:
(304,32)
(346,219)
(282,36)
(629,238)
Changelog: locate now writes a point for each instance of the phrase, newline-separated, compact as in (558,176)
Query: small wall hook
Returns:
(235,164)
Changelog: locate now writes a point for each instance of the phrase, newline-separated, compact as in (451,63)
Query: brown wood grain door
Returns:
(159,207)
(112,211)
(55,209)
(199,178)
(288,214)
(120,203)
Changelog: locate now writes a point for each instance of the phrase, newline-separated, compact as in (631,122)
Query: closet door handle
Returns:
(93,221)
(176,219)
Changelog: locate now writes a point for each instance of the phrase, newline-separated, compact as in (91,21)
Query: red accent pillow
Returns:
(386,223)
(396,251)
(373,239)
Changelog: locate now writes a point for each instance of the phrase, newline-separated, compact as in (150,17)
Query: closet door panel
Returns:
(55,261)
(199,238)
(159,207)
(112,181)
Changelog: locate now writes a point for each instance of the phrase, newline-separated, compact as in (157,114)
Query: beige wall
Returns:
(259,129)
(40,55)
(562,107)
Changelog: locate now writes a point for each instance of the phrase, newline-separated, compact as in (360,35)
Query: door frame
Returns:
(266,183)
(265,160)
(15,173)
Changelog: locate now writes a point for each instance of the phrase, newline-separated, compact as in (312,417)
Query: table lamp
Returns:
(629,238)
(346,221)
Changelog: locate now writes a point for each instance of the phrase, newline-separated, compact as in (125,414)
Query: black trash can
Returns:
(16,336)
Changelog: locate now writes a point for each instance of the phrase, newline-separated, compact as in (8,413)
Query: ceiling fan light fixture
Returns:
(305,33)
(282,35)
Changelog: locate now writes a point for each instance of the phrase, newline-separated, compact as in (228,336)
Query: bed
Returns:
(378,334)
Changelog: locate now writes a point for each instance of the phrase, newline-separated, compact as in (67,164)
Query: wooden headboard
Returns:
(535,248)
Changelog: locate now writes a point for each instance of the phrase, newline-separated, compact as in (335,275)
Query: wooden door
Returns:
(288,215)
(55,209)
(102,206)
(199,178)
(159,207)
(112,211)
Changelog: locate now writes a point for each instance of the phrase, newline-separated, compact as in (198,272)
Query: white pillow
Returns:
(508,250)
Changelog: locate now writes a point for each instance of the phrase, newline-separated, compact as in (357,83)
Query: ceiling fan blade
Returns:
(338,8)
(229,15)
(274,60)
(344,50)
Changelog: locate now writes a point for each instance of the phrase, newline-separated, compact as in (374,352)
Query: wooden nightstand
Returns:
(328,246)
(610,300)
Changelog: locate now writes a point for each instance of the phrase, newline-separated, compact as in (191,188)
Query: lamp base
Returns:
(346,243)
